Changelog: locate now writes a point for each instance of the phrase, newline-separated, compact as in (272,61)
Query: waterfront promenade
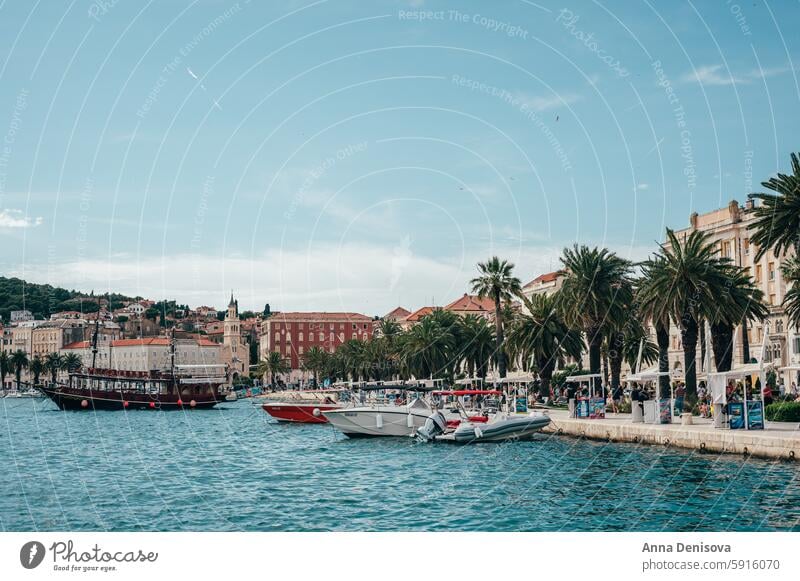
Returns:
(780,440)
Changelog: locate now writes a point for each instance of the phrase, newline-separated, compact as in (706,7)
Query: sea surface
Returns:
(235,469)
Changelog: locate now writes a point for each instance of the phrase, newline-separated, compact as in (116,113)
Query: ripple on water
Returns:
(233,468)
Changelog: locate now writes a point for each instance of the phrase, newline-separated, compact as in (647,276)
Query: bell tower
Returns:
(232,332)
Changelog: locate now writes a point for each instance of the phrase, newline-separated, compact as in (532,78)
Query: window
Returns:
(341,326)
(321,336)
(779,326)
(758,273)
(300,336)
(300,350)
(746,245)
(772,299)
(796,343)
(277,337)
(772,271)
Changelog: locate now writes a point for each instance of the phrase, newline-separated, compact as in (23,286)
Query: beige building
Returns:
(547,284)
(729,228)
(148,354)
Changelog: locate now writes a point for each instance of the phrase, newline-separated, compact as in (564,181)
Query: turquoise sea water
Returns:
(235,469)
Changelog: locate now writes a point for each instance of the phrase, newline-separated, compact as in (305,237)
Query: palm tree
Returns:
(595,294)
(19,361)
(777,224)
(426,348)
(36,367)
(72,362)
(654,310)
(685,281)
(54,363)
(740,302)
(389,329)
(478,344)
(497,282)
(791,274)
(316,360)
(273,365)
(5,367)
(539,337)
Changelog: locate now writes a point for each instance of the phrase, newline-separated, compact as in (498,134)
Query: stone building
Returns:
(729,228)
(235,351)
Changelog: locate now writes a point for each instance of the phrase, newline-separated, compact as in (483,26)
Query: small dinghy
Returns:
(501,427)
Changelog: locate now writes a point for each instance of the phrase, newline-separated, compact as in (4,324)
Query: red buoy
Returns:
(124,404)
(84,403)
(152,404)
(180,402)
(192,403)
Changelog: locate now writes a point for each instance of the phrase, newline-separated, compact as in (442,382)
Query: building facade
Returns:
(293,334)
(147,354)
(729,229)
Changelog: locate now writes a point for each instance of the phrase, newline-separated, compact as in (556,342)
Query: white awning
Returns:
(587,377)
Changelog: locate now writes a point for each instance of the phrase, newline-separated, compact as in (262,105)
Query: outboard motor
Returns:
(434,426)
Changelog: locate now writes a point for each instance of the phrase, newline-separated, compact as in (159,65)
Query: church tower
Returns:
(232,333)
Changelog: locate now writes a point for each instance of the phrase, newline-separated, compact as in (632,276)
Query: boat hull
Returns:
(502,430)
(387,421)
(305,413)
(82,399)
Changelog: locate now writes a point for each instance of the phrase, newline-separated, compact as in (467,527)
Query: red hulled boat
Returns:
(304,407)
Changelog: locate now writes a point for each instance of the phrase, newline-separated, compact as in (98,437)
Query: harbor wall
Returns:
(763,444)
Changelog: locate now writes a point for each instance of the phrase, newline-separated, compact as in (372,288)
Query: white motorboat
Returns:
(380,420)
(491,426)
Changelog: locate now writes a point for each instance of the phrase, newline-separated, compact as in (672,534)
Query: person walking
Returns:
(680,394)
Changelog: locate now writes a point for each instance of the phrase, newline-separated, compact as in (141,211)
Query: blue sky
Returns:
(342,155)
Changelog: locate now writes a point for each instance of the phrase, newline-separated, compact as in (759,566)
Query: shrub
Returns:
(783,412)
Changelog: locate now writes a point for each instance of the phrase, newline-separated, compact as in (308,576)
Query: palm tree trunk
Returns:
(545,376)
(604,356)
(615,362)
(595,340)
(689,330)
(703,345)
(498,327)
(722,345)
(662,338)
(745,342)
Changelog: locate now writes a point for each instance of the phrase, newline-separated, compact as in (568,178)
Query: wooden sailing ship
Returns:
(182,387)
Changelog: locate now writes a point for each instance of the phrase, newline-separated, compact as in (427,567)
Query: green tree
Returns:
(36,367)
(273,365)
(72,362)
(496,281)
(426,349)
(538,338)
(477,345)
(740,301)
(686,280)
(5,368)
(53,363)
(315,360)
(777,218)
(19,361)
(595,294)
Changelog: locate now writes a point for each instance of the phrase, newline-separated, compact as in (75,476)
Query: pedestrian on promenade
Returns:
(680,394)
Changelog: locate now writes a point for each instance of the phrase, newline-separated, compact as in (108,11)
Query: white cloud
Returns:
(718,75)
(369,279)
(10,218)
(539,103)
(642,186)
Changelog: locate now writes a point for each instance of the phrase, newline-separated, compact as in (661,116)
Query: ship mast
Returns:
(172,356)
(94,341)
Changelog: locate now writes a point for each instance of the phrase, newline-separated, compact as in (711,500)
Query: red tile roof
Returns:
(320,317)
(398,313)
(472,303)
(140,342)
(544,278)
(419,313)
(77,345)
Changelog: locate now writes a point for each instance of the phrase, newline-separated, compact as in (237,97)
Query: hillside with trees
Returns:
(43,299)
